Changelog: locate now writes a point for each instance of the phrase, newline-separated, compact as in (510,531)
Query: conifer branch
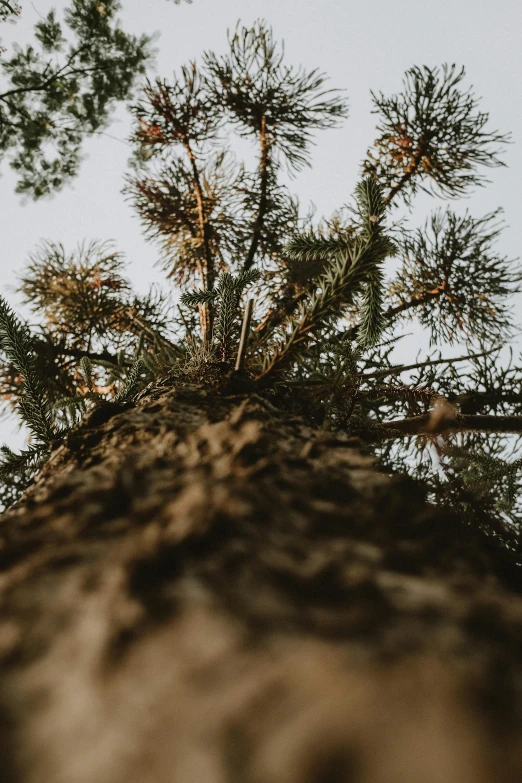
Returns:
(18,463)
(346,274)
(207,271)
(131,383)
(404,392)
(390,314)
(372,321)
(86,368)
(226,295)
(417,301)
(471,400)
(398,368)
(264,172)
(338,288)
(452,271)
(57,350)
(198,297)
(32,402)
(419,425)
(432,137)
(411,171)
(228,304)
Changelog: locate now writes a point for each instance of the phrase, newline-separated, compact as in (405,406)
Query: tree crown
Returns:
(327,315)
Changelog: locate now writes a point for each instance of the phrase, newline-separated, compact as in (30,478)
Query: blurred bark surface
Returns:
(202,588)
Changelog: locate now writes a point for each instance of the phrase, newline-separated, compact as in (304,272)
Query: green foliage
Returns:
(327,317)
(84,300)
(476,473)
(64,88)
(208,212)
(484,475)
(454,279)
(86,368)
(131,384)
(372,323)
(268,100)
(483,384)
(9,9)
(432,136)
(353,268)
(17,471)
(32,400)
(92,328)
(227,296)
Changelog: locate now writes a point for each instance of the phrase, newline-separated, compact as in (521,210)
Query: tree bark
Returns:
(202,587)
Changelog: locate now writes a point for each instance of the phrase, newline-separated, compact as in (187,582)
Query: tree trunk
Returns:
(202,588)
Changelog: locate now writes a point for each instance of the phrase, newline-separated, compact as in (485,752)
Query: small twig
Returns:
(189,337)
(245,332)
(151,332)
(398,368)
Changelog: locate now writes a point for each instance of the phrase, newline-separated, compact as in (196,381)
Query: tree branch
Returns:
(422,425)
(47,83)
(408,174)
(77,353)
(264,162)
(152,332)
(207,272)
(398,368)
(276,316)
(391,312)
(469,402)
(427,296)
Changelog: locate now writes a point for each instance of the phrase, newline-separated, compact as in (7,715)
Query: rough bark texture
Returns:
(202,588)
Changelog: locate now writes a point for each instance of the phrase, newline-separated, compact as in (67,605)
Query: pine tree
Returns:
(203,469)
(225,229)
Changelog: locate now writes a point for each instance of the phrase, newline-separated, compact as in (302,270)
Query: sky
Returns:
(362,45)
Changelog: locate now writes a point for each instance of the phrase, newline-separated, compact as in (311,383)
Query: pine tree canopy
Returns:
(330,297)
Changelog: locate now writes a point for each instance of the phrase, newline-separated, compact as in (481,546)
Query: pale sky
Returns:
(361,45)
